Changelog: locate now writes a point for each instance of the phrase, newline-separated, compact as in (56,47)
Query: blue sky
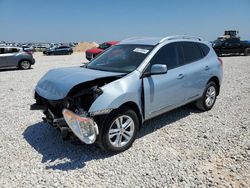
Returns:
(102,20)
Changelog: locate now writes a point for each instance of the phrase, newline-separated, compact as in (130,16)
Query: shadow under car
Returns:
(73,154)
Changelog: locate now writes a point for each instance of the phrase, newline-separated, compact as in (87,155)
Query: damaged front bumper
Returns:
(83,127)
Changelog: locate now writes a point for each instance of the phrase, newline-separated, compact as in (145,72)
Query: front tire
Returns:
(119,131)
(207,101)
(24,64)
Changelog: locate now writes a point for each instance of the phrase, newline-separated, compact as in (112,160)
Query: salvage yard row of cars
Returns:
(21,57)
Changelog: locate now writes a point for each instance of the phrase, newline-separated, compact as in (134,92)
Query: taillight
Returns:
(220,60)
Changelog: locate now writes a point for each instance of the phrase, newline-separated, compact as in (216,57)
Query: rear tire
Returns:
(24,64)
(247,52)
(207,101)
(119,131)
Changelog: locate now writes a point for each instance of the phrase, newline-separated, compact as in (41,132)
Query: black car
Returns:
(232,45)
(61,50)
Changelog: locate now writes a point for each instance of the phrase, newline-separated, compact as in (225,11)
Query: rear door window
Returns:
(167,55)
(191,52)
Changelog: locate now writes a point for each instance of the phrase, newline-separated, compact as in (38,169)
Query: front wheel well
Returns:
(216,81)
(133,106)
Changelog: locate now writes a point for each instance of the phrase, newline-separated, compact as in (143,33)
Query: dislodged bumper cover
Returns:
(57,83)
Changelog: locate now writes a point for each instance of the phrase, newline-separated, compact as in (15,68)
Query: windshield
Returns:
(104,46)
(121,58)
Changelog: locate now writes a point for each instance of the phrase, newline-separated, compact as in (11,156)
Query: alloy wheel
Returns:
(210,96)
(121,131)
(25,64)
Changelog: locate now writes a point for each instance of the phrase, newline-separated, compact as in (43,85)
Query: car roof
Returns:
(156,40)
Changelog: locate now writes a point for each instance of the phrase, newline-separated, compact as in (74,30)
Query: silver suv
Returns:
(108,100)
(15,57)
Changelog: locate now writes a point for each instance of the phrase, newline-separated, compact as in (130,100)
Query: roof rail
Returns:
(179,37)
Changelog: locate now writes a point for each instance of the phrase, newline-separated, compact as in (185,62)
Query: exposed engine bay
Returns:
(77,103)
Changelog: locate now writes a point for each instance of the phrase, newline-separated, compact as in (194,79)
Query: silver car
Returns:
(15,57)
(108,100)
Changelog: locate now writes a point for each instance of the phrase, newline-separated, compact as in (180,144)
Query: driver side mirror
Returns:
(158,69)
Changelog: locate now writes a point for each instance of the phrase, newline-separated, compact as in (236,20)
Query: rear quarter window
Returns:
(191,52)
(205,49)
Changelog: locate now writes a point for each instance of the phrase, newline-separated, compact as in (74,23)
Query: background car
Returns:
(230,43)
(93,52)
(15,57)
(61,50)
(29,49)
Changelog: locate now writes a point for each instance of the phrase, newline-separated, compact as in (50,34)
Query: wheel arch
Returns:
(133,106)
(19,61)
(216,80)
(102,119)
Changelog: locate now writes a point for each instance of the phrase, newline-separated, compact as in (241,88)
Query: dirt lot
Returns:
(183,148)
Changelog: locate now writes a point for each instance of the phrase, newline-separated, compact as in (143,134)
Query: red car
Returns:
(93,52)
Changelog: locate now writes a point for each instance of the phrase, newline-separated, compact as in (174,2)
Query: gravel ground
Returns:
(183,148)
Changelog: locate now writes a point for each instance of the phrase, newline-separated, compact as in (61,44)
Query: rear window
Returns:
(205,49)
(191,52)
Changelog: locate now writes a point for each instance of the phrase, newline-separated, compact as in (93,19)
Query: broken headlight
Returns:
(83,127)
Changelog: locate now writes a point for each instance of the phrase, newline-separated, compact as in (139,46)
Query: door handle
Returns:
(206,67)
(180,76)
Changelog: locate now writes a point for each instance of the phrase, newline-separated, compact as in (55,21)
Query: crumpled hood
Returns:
(57,83)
